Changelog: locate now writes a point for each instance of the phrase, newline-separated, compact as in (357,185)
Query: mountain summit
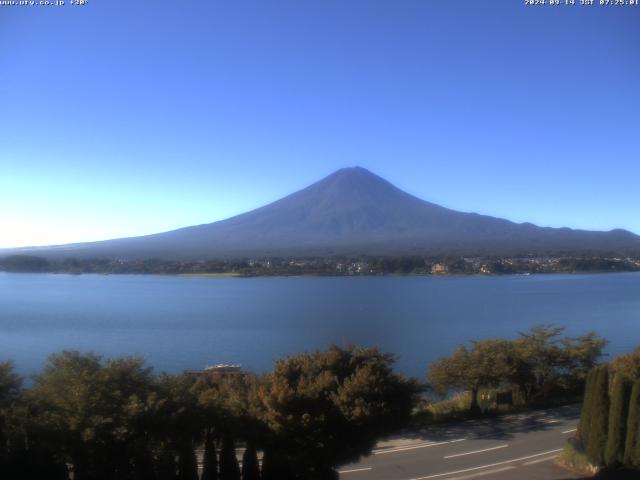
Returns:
(353,212)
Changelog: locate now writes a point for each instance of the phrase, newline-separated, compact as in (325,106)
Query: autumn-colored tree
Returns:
(548,362)
(330,407)
(86,406)
(486,364)
(628,365)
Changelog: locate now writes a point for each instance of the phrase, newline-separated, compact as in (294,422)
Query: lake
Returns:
(179,323)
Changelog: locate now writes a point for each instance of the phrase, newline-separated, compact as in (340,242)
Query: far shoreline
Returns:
(315,275)
(355,266)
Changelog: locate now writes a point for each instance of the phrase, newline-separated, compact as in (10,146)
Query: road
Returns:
(513,447)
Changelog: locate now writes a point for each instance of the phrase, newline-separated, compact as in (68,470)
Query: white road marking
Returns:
(540,460)
(393,449)
(353,470)
(570,431)
(489,465)
(482,474)
(477,451)
(413,447)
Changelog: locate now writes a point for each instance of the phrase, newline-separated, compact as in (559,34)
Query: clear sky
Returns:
(123,118)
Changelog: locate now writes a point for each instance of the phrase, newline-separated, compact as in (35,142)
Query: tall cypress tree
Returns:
(143,463)
(584,425)
(166,464)
(187,463)
(631,457)
(636,454)
(618,413)
(210,460)
(229,468)
(269,470)
(250,466)
(274,467)
(597,440)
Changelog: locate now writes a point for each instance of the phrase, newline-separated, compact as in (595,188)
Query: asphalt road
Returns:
(513,447)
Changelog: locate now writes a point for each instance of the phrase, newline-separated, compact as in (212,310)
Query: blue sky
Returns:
(124,118)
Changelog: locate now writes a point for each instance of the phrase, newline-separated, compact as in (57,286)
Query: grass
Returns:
(451,409)
(456,408)
(574,459)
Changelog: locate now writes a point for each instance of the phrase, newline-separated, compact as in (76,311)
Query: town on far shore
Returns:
(331,266)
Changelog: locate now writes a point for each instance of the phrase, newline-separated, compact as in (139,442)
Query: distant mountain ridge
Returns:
(351,212)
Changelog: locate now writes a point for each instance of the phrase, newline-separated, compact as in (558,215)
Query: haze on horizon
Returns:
(124,119)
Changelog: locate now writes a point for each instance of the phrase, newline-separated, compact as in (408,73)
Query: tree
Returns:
(178,421)
(584,425)
(10,385)
(327,408)
(547,364)
(487,364)
(210,460)
(90,409)
(274,466)
(10,390)
(250,465)
(24,263)
(232,408)
(187,462)
(599,411)
(581,355)
(166,468)
(231,405)
(619,408)
(628,365)
(64,395)
(229,469)
(539,356)
(632,442)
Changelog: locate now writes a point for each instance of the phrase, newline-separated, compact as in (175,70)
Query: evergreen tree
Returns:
(584,425)
(166,464)
(274,467)
(597,440)
(187,463)
(229,468)
(268,466)
(618,413)
(250,467)
(328,474)
(631,455)
(143,464)
(636,454)
(210,460)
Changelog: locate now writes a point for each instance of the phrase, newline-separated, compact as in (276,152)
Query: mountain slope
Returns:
(353,211)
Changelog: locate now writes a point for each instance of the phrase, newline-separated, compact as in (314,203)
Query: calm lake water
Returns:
(178,323)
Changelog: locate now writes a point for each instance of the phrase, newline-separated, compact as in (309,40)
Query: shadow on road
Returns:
(496,427)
